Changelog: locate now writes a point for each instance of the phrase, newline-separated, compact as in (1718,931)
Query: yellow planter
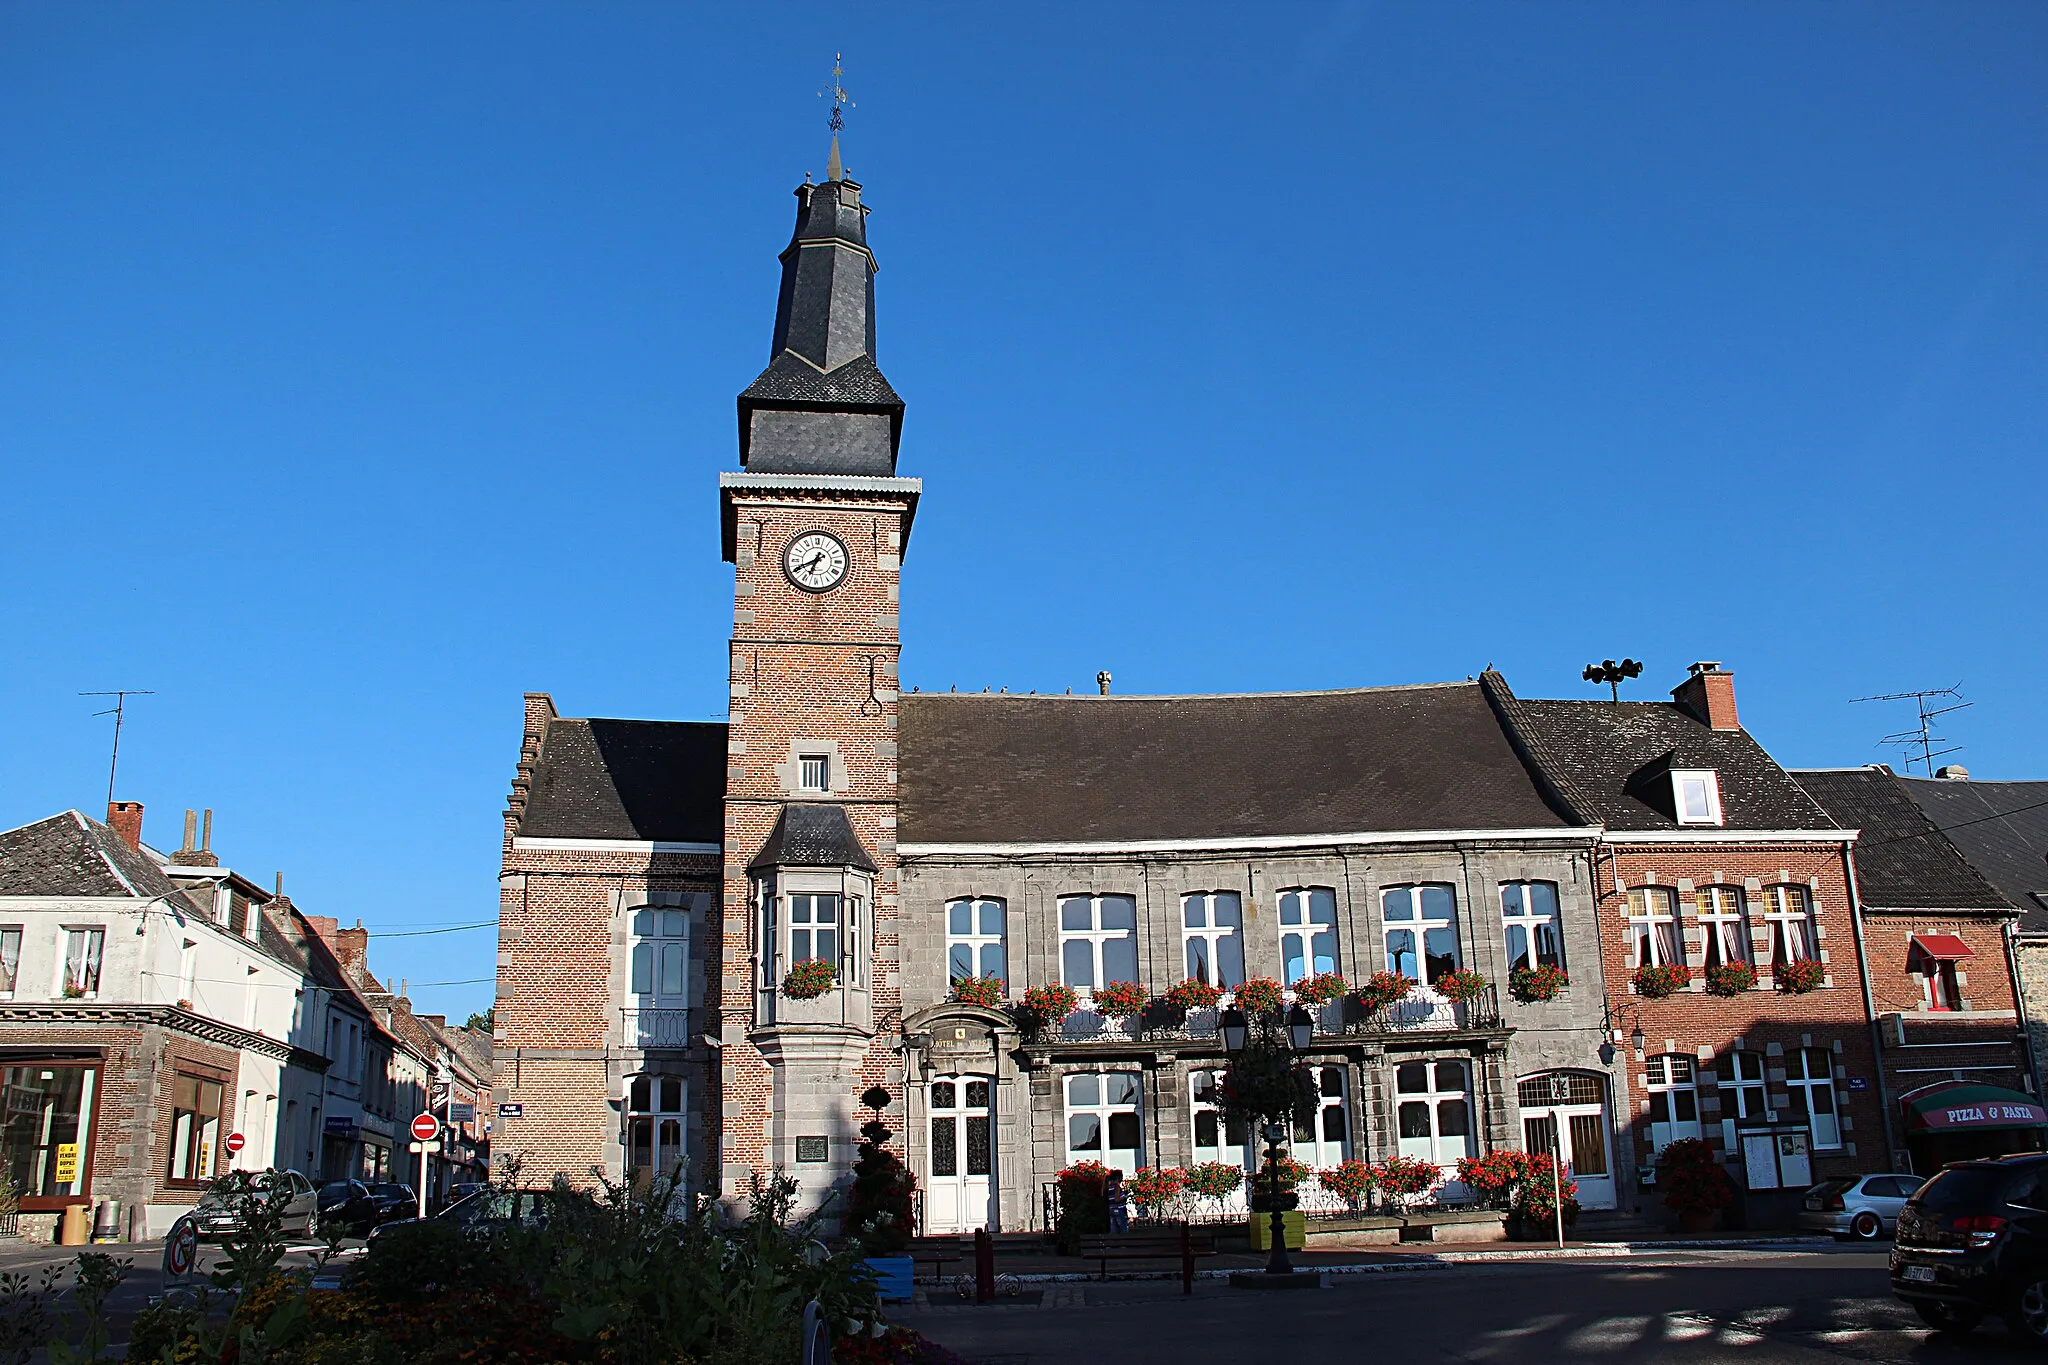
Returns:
(1294,1224)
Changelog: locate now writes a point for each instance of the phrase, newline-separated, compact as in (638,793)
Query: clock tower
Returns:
(815,525)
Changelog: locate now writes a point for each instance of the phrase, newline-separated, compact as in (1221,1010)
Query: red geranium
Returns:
(1531,984)
(986,991)
(1655,983)
(1192,995)
(1799,975)
(1460,984)
(1382,989)
(1258,995)
(809,979)
(1321,988)
(1050,1003)
(1121,999)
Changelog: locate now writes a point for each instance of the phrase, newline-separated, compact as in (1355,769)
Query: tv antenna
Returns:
(1922,736)
(117,710)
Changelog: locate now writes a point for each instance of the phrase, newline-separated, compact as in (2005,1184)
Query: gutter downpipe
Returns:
(2009,935)
(1884,1096)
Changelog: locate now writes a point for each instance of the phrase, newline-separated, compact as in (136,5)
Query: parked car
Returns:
(1973,1242)
(220,1213)
(461,1191)
(345,1206)
(393,1200)
(481,1215)
(1865,1207)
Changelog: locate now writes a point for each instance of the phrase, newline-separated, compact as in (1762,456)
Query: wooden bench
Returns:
(1181,1243)
(941,1254)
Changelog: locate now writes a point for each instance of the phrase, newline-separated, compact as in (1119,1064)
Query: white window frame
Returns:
(1709,783)
(1097,938)
(653,1109)
(659,935)
(976,940)
(805,767)
(10,959)
(1740,1081)
(1318,1148)
(1724,920)
(1672,1077)
(1788,907)
(1804,1087)
(1439,1148)
(1205,1099)
(1657,928)
(93,938)
(1419,925)
(1200,913)
(815,929)
(1306,931)
(1532,921)
(1104,1111)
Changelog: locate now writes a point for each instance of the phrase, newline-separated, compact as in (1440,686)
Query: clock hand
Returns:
(811,563)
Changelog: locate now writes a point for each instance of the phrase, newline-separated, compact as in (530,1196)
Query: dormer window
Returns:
(814,772)
(1696,793)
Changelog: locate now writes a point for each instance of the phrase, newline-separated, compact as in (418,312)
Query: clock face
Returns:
(815,561)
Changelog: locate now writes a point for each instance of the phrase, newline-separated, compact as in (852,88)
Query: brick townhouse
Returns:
(1713,858)
(1937,941)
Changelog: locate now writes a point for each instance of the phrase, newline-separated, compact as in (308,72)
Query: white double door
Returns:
(960,1154)
(1581,1129)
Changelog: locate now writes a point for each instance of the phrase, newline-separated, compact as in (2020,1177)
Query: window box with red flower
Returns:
(1156,1189)
(1460,984)
(1048,1006)
(1192,995)
(1382,989)
(1730,978)
(1258,995)
(1799,976)
(809,979)
(1407,1180)
(1321,988)
(1352,1181)
(987,991)
(1533,984)
(1120,999)
(1655,983)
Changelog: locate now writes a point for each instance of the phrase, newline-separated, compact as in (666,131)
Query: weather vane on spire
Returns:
(841,101)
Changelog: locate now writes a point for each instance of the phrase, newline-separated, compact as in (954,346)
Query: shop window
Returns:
(1674,1100)
(1104,1120)
(976,939)
(1212,937)
(1308,932)
(1528,910)
(45,1125)
(1421,925)
(1810,1079)
(195,1127)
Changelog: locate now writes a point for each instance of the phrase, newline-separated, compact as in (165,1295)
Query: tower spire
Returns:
(841,101)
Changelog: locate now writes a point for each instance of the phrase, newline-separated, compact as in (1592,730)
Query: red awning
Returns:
(1942,947)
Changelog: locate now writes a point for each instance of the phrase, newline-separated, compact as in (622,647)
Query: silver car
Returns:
(1865,1207)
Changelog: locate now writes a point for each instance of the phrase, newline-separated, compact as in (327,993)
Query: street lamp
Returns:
(1295,1034)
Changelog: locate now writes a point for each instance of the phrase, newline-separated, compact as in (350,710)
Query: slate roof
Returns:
(71,855)
(1902,861)
(1604,759)
(788,381)
(2002,828)
(985,768)
(628,779)
(813,835)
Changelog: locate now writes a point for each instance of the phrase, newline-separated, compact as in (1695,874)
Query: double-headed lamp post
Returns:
(1295,1036)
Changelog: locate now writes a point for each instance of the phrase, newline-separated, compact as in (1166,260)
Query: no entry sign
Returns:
(235,1142)
(425,1127)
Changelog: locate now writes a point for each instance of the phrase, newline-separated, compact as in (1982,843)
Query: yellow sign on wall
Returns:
(67,1163)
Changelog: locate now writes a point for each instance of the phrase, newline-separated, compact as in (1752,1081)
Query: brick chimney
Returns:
(125,819)
(352,946)
(1709,693)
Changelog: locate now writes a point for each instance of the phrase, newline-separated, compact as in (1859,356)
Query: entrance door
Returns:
(1571,1108)
(960,1182)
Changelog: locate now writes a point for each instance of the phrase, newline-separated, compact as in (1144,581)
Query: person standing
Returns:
(1119,1200)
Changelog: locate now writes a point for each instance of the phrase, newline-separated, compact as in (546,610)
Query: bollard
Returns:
(984,1266)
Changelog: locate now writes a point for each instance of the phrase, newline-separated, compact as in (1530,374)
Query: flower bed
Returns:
(1799,976)
(1353,1181)
(1406,1179)
(1532,984)
(1730,978)
(809,979)
(1655,983)
(1154,1189)
(987,991)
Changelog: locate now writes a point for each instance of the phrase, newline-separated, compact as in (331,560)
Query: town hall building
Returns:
(717,938)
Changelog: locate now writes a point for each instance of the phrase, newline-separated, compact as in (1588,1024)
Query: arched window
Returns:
(1653,927)
(1674,1100)
(1790,917)
(1725,924)
(1528,911)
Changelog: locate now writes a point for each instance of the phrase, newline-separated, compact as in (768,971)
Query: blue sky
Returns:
(363,366)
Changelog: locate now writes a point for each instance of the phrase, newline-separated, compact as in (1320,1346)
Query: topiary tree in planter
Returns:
(881,1208)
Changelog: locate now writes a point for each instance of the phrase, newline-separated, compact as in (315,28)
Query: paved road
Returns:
(1810,1306)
